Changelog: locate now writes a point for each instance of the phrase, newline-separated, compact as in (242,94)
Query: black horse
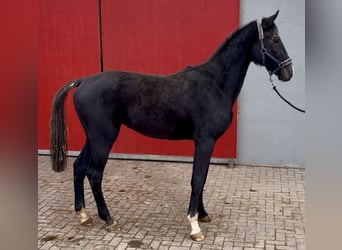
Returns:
(193,104)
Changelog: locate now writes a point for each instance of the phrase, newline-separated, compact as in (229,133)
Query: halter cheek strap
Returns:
(264,53)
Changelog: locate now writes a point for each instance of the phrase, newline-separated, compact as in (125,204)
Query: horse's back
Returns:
(135,88)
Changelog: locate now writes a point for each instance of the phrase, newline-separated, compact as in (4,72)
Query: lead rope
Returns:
(284,99)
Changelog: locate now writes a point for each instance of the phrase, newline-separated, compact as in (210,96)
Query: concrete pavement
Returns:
(250,207)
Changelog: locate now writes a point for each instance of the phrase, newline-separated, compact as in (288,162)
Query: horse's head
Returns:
(269,51)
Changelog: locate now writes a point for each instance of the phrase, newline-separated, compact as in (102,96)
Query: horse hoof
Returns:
(114,228)
(87,221)
(197,237)
(205,219)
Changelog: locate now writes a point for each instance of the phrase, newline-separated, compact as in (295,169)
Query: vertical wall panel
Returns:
(163,37)
(68,49)
(270,131)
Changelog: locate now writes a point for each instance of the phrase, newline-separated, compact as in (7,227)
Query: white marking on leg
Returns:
(194,224)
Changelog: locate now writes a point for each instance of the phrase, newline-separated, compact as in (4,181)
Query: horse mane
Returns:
(237,38)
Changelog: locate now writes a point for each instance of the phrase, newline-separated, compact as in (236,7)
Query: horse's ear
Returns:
(268,21)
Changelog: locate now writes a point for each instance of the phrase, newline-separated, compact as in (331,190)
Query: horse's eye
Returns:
(276,39)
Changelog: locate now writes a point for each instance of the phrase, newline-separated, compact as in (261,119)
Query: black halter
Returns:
(281,64)
(264,52)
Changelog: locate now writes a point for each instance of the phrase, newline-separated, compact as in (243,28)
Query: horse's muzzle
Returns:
(286,73)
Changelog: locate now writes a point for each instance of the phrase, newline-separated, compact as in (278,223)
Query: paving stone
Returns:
(250,207)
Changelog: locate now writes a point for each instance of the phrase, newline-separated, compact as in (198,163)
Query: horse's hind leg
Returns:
(100,147)
(80,166)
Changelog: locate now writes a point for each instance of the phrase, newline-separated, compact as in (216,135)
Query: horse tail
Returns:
(58,135)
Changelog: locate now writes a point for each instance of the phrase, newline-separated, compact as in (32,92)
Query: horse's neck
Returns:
(232,60)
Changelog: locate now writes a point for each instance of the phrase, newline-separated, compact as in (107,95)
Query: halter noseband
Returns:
(264,52)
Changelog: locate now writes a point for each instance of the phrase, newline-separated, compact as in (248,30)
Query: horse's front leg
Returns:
(202,214)
(203,151)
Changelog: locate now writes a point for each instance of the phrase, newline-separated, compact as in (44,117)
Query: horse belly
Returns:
(162,126)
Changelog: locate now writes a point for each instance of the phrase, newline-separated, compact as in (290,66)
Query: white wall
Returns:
(269,131)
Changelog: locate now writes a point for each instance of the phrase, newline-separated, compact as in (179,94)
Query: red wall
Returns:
(68,49)
(150,36)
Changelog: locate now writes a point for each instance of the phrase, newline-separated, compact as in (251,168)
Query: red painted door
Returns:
(149,36)
(163,37)
(68,49)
